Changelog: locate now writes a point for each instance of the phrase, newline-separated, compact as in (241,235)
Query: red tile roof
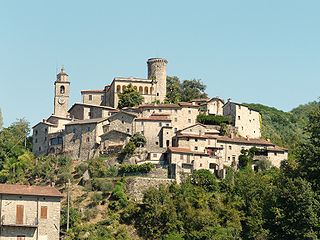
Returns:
(154,118)
(245,140)
(92,91)
(15,189)
(184,150)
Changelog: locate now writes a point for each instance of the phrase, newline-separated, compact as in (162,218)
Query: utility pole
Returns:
(68,204)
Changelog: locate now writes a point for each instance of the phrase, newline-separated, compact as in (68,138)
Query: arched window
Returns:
(124,88)
(146,90)
(62,90)
(151,90)
(141,90)
(118,88)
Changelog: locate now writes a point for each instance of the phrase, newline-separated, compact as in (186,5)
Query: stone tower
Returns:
(157,71)
(61,94)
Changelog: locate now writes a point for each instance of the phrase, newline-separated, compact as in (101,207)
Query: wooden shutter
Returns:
(44,212)
(19,214)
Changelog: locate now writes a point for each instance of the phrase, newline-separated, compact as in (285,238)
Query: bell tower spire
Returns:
(61,94)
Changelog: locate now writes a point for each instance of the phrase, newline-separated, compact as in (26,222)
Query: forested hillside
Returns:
(286,129)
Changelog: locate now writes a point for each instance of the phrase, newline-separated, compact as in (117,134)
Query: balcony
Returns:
(26,223)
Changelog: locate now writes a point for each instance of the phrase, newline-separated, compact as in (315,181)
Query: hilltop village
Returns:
(175,140)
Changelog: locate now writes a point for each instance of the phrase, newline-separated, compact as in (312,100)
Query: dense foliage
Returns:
(284,128)
(132,169)
(184,91)
(130,97)
(213,119)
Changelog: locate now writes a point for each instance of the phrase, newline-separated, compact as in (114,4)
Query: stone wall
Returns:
(136,186)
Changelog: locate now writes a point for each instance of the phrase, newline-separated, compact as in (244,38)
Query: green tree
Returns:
(173,90)
(130,97)
(192,89)
(308,154)
(292,211)
(138,139)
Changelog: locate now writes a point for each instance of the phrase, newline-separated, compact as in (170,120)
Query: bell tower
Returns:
(61,94)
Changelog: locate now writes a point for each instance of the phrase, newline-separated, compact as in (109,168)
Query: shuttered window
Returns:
(44,212)
(19,214)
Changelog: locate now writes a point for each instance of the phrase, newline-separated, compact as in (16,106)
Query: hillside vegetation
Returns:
(285,129)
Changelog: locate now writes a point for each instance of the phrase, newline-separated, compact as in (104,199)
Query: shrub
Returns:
(213,119)
(81,168)
(138,139)
(102,184)
(96,198)
(127,169)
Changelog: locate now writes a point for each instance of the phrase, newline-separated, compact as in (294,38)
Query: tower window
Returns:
(158,94)
(62,90)
(90,97)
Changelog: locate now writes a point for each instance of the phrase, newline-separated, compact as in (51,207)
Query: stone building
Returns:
(83,111)
(153,88)
(213,106)
(82,138)
(247,121)
(29,212)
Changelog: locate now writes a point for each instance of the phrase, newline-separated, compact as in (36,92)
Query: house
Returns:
(29,212)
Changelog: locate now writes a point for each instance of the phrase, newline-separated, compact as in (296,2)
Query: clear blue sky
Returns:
(251,51)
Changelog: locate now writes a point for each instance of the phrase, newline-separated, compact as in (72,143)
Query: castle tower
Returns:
(157,71)
(61,94)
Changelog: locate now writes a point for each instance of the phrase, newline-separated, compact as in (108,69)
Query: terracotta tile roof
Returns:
(92,91)
(254,141)
(15,189)
(184,150)
(192,135)
(159,106)
(188,104)
(277,149)
(92,105)
(87,121)
(200,100)
(154,118)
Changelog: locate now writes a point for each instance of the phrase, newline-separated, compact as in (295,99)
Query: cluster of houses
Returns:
(174,137)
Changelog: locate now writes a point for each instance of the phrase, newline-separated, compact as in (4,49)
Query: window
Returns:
(89,114)
(62,90)
(233,158)
(46,130)
(200,164)
(189,111)
(238,117)
(160,124)
(228,158)
(196,139)
(36,132)
(128,130)
(74,130)
(167,124)
(122,122)
(88,129)
(188,139)
(155,155)
(275,154)
(175,130)
(19,214)
(176,119)
(157,143)
(158,94)
(45,139)
(141,90)
(102,97)
(146,91)
(88,139)
(160,110)
(230,147)
(181,157)
(39,149)
(141,123)
(36,140)
(44,212)
(118,88)
(189,120)
(90,97)
(239,107)
(196,148)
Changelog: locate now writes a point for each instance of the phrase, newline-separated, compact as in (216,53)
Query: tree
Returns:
(192,89)
(173,89)
(130,97)
(184,91)
(138,139)
(308,154)
(292,211)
